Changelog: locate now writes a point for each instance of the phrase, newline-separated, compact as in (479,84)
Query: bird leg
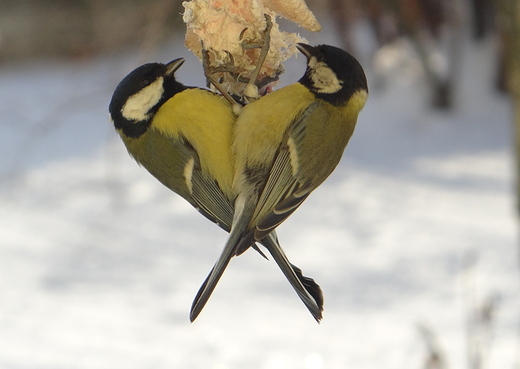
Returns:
(251,90)
(237,108)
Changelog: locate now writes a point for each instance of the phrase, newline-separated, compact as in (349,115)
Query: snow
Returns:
(99,263)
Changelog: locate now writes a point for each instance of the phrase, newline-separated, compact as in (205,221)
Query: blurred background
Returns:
(413,238)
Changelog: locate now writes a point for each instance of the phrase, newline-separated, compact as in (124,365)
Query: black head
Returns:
(332,74)
(141,93)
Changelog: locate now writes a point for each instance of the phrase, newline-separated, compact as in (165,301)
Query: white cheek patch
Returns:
(137,106)
(312,62)
(324,79)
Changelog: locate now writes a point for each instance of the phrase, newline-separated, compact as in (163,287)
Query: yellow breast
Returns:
(261,125)
(206,121)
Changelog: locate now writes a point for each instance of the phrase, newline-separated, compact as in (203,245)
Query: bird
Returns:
(286,144)
(183,137)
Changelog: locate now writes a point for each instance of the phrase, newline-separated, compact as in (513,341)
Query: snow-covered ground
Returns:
(99,263)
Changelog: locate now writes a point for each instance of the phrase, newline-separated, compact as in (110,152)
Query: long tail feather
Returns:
(308,290)
(214,276)
(311,286)
(238,230)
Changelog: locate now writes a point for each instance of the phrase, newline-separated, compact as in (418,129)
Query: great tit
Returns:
(183,137)
(286,144)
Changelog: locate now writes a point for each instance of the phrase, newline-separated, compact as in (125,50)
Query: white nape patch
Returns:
(323,78)
(137,106)
(188,173)
(294,156)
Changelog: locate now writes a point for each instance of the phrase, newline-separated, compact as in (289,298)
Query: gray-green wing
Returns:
(312,148)
(210,200)
(176,165)
(281,194)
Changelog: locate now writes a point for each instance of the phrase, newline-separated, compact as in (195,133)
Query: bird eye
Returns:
(145,82)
